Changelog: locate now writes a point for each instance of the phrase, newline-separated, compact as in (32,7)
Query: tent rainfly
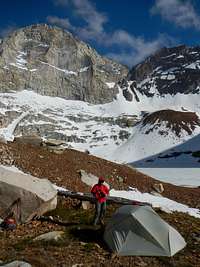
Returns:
(24,195)
(139,231)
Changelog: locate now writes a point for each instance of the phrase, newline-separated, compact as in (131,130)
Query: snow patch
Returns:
(110,84)
(68,72)
(157,202)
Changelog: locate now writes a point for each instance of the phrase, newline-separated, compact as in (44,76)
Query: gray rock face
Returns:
(169,71)
(52,62)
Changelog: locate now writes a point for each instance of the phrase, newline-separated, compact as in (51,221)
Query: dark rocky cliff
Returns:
(169,71)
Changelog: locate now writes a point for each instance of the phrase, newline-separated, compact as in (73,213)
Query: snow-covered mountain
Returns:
(160,135)
(78,124)
(57,87)
(169,71)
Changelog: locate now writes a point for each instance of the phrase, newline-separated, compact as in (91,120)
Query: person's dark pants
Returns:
(100,209)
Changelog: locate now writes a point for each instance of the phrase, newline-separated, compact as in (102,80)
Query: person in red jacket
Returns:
(100,192)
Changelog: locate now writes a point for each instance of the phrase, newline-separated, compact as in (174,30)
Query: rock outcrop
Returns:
(169,71)
(51,61)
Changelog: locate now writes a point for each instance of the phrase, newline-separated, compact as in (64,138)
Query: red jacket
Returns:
(100,191)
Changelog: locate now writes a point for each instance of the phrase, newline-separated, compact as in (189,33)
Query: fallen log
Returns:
(89,197)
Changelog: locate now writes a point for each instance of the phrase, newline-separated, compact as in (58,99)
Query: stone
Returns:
(53,142)
(159,188)
(25,195)
(86,205)
(90,179)
(17,264)
(50,236)
(120,179)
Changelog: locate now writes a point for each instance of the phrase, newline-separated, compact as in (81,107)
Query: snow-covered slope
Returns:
(158,132)
(79,124)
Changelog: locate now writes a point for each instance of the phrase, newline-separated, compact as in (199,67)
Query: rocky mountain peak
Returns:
(51,61)
(171,121)
(169,71)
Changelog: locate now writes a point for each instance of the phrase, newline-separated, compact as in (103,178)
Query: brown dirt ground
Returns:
(63,169)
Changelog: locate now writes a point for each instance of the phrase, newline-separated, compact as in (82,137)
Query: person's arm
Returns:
(105,190)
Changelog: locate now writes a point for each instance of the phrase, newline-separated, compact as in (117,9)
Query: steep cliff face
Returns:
(52,62)
(169,71)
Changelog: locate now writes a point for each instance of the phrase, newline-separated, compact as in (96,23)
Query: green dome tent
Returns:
(138,230)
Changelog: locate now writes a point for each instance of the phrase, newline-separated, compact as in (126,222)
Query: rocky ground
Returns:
(63,169)
(83,244)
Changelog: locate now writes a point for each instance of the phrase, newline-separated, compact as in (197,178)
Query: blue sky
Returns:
(126,30)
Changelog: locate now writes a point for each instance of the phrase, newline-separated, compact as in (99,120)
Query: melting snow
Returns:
(68,72)
(157,202)
(192,66)
(84,69)
(19,66)
(188,177)
(8,132)
(110,85)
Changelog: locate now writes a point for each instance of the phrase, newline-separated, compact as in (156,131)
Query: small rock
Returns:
(83,243)
(51,236)
(141,263)
(159,188)
(17,264)
(196,237)
(97,245)
(53,142)
(120,179)
(86,205)
(58,151)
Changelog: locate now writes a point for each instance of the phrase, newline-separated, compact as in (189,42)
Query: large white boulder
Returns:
(25,195)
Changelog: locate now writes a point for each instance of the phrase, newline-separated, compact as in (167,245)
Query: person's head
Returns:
(101,180)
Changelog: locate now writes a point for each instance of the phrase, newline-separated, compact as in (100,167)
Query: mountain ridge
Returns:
(168,71)
(51,61)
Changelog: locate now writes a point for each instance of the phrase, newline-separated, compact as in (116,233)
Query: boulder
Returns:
(53,142)
(24,195)
(159,188)
(89,178)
